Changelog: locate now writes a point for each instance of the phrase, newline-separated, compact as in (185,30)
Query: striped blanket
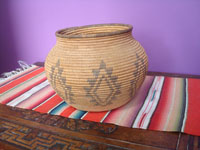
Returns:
(162,103)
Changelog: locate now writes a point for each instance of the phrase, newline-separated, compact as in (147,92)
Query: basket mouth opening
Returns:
(97,30)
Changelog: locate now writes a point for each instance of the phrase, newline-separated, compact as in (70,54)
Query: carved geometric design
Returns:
(65,123)
(102,77)
(56,75)
(136,74)
(38,139)
(30,138)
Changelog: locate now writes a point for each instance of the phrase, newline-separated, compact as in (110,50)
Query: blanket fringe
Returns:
(23,66)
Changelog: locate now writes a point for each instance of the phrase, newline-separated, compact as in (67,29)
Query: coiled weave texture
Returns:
(98,67)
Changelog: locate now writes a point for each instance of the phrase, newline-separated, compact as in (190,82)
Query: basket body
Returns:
(96,68)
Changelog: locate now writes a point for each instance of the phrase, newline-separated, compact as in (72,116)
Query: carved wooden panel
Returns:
(26,129)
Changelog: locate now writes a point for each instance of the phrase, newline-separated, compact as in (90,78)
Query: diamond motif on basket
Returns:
(56,76)
(136,74)
(103,87)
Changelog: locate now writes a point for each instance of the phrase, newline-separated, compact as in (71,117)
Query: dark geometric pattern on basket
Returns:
(56,75)
(29,138)
(100,75)
(136,74)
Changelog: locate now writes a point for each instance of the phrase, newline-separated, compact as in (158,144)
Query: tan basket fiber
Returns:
(96,67)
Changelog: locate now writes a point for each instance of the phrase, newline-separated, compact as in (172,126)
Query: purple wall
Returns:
(168,30)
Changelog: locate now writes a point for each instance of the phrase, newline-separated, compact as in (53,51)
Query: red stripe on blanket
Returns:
(20,80)
(7,100)
(140,123)
(159,114)
(17,76)
(37,98)
(68,111)
(192,125)
(95,116)
(48,105)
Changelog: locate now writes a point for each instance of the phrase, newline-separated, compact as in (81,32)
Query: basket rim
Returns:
(59,32)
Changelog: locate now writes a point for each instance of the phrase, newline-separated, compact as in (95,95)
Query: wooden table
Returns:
(27,129)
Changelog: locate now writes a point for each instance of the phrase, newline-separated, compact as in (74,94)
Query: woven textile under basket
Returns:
(96,67)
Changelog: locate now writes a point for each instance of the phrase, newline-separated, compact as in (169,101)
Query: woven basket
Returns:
(96,67)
